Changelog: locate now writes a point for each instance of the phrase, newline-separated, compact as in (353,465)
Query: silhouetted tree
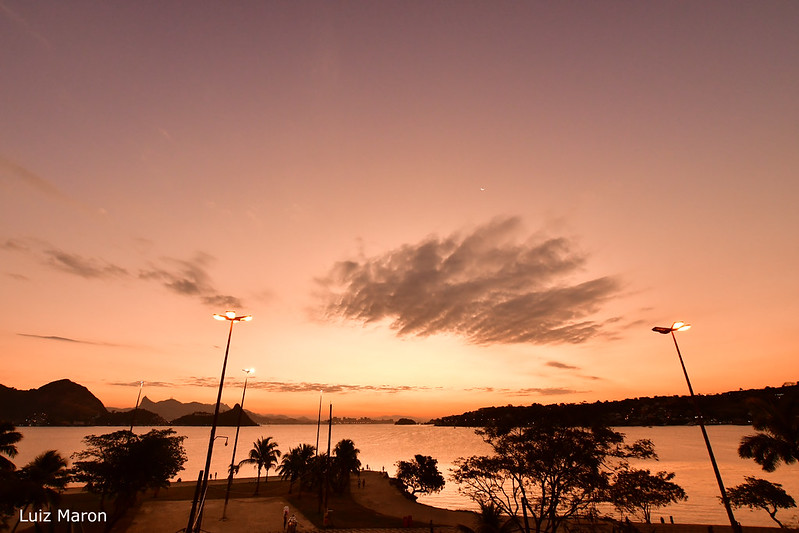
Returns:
(420,475)
(761,494)
(42,480)
(639,491)
(546,472)
(9,438)
(9,479)
(121,464)
(778,424)
(346,463)
(295,465)
(263,454)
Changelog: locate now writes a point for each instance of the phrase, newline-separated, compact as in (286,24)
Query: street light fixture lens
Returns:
(230,314)
(680,326)
(219,317)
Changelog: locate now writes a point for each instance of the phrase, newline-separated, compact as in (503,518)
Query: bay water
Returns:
(680,450)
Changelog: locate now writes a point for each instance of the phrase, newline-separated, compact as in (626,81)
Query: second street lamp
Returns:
(248,371)
(682,326)
(195,523)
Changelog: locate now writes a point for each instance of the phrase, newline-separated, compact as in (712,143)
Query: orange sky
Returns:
(428,207)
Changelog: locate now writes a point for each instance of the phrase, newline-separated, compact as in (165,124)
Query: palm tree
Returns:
(264,454)
(778,440)
(295,464)
(42,480)
(9,438)
(347,462)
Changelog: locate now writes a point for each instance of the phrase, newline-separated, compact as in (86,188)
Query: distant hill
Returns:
(278,419)
(724,408)
(171,409)
(143,417)
(227,418)
(60,403)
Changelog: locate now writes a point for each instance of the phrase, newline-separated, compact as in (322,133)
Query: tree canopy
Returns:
(761,494)
(777,440)
(121,464)
(546,472)
(639,492)
(420,475)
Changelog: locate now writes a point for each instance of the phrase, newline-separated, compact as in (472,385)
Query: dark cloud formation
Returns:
(190,278)
(82,266)
(180,276)
(557,364)
(52,338)
(484,286)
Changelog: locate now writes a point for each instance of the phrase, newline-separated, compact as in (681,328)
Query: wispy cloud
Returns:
(289,387)
(59,338)
(190,278)
(43,186)
(186,277)
(484,286)
(557,364)
(147,384)
(86,267)
(546,391)
(528,391)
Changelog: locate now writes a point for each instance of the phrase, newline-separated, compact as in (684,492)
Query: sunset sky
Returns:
(428,207)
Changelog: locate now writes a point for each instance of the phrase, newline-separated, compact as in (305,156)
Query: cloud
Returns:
(43,186)
(14,245)
(180,276)
(67,339)
(556,364)
(190,278)
(287,386)
(547,391)
(147,384)
(483,286)
(82,266)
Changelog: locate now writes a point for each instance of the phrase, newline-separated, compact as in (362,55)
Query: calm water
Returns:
(681,450)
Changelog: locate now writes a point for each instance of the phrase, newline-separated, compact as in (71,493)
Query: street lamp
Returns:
(682,326)
(194,525)
(133,417)
(248,371)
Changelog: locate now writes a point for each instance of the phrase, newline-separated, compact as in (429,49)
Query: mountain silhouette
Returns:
(228,418)
(59,403)
(171,409)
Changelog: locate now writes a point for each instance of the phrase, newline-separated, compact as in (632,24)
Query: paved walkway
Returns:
(257,515)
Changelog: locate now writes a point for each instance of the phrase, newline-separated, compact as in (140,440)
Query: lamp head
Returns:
(677,326)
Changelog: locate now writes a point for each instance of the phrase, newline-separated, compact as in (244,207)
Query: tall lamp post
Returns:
(133,417)
(682,326)
(194,525)
(248,371)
